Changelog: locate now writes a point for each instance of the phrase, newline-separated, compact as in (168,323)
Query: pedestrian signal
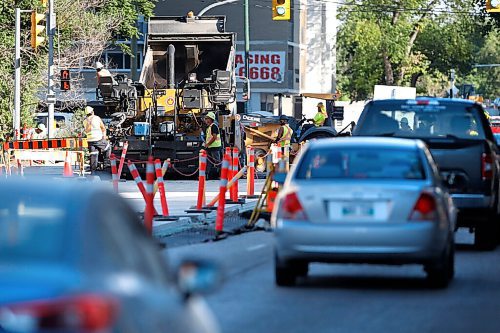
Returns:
(281,10)
(65,80)
(37,29)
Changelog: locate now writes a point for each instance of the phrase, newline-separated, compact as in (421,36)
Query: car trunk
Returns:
(376,201)
(28,282)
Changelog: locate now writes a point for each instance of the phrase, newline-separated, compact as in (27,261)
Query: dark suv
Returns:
(460,139)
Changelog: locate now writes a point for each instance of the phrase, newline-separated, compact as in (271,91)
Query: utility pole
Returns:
(452,82)
(280,104)
(133,59)
(247,48)
(51,96)
(16,117)
(133,46)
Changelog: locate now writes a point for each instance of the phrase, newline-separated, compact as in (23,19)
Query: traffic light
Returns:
(281,10)
(37,29)
(246,90)
(65,80)
(493,6)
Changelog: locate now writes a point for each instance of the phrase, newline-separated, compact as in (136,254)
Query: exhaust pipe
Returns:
(171,67)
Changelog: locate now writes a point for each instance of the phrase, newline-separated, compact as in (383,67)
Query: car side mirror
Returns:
(198,277)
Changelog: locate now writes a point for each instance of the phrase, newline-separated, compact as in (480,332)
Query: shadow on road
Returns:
(365,282)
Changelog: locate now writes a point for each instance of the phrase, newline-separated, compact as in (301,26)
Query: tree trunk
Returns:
(389,74)
(414,79)
(413,37)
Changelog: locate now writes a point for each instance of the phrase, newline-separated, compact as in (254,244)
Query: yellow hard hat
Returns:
(210,115)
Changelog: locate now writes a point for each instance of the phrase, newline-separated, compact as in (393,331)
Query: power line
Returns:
(366,9)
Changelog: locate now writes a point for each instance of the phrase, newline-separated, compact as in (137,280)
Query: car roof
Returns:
(437,99)
(72,194)
(366,141)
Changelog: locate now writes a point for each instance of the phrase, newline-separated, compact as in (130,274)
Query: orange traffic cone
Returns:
(68,171)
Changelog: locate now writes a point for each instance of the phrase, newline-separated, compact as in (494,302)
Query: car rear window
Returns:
(422,120)
(361,163)
(31,229)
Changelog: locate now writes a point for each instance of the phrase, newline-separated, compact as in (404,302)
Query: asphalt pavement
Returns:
(348,298)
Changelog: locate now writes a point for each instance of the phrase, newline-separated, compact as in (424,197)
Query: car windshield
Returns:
(361,162)
(31,229)
(432,120)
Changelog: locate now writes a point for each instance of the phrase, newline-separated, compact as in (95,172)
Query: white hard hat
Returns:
(41,127)
(89,110)
(98,65)
(210,115)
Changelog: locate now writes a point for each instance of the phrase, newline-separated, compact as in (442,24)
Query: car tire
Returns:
(485,235)
(285,275)
(441,272)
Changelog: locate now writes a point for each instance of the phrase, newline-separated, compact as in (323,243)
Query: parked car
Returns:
(462,143)
(364,200)
(74,258)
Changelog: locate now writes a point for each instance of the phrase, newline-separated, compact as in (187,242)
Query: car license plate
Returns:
(358,210)
(367,211)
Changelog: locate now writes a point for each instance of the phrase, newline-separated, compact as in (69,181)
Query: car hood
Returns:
(19,283)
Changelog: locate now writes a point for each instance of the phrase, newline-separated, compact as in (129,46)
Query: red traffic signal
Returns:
(65,80)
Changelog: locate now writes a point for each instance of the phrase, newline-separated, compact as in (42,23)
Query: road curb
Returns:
(193,221)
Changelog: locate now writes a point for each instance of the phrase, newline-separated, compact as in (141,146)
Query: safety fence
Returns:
(15,155)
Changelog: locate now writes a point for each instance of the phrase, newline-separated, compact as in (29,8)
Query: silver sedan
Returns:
(364,200)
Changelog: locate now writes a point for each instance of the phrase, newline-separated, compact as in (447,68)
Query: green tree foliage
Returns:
(408,42)
(85,28)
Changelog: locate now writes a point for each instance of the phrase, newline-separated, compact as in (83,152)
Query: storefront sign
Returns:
(265,66)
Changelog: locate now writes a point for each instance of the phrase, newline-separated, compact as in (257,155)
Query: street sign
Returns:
(338,113)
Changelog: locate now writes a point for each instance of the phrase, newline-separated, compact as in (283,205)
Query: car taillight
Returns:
(291,208)
(89,313)
(425,208)
(487,166)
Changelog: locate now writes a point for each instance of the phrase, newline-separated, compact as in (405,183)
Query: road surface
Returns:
(349,298)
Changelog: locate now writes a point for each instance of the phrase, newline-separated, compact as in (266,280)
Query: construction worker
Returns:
(213,145)
(102,72)
(284,135)
(321,115)
(40,132)
(96,138)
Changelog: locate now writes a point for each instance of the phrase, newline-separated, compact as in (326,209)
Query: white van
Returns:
(62,122)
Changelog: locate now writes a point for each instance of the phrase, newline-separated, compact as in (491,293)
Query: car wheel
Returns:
(285,275)
(440,273)
(485,235)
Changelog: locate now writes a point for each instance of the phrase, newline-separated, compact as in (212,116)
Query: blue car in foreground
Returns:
(75,258)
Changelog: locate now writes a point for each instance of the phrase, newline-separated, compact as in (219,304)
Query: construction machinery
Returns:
(188,71)
(261,129)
